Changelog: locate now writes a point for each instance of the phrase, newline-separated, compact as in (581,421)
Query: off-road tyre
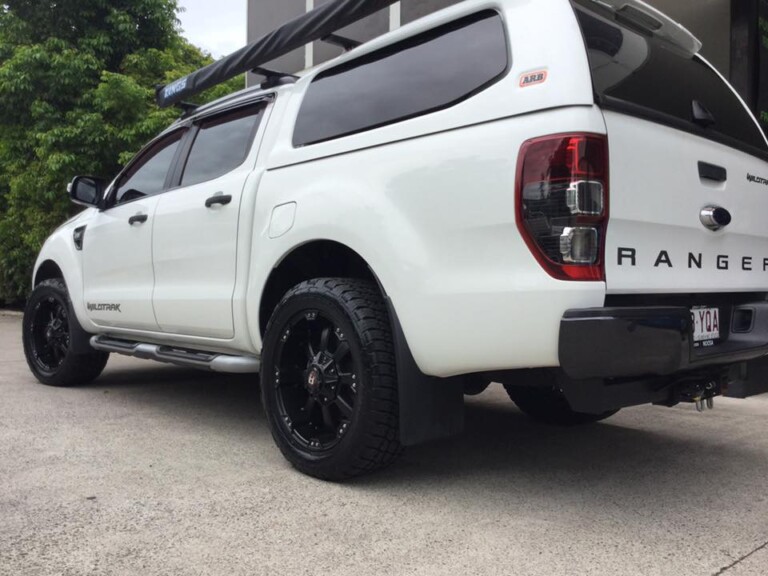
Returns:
(332,407)
(537,394)
(48,324)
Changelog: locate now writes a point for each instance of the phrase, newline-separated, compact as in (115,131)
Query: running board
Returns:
(179,356)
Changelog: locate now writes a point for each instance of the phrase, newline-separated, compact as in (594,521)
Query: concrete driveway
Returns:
(159,470)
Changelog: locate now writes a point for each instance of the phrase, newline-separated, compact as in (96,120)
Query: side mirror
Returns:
(86,190)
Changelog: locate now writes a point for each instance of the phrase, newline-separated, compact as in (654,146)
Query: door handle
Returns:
(712,172)
(137,219)
(218,199)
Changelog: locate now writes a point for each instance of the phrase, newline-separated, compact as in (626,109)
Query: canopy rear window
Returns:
(637,73)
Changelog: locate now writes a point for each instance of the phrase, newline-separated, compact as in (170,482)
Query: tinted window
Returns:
(635,70)
(413,77)
(221,145)
(147,175)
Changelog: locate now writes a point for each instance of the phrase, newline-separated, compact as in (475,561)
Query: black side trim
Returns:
(712,172)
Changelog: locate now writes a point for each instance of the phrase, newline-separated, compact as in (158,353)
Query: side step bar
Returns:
(179,356)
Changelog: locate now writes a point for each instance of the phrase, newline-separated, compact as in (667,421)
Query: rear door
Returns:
(681,144)
(196,226)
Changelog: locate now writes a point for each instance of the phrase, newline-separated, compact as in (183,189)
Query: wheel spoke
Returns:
(310,351)
(344,407)
(305,415)
(324,339)
(341,352)
(56,352)
(327,420)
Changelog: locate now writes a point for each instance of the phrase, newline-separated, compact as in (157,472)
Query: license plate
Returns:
(706,324)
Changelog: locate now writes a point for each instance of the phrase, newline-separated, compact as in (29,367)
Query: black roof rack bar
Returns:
(313,25)
(274,78)
(343,42)
(187,108)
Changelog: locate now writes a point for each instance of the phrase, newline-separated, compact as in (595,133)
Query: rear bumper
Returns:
(647,341)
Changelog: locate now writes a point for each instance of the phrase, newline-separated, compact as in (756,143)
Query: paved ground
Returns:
(158,470)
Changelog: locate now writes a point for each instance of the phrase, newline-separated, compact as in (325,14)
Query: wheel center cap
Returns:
(314,379)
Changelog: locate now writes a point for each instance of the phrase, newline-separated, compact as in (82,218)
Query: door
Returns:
(118,275)
(196,227)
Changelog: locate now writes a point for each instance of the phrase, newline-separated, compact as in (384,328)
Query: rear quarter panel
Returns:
(429,203)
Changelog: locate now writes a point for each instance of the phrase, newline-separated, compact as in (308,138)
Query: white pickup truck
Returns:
(560,195)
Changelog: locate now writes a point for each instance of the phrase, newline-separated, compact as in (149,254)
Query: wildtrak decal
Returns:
(104,307)
(757,179)
(692,260)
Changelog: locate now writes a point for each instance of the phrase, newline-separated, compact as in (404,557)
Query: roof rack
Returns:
(314,25)
(274,78)
(343,42)
(187,108)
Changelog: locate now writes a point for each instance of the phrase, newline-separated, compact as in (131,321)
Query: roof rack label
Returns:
(174,88)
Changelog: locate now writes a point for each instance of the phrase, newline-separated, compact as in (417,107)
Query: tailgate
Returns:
(661,181)
(687,160)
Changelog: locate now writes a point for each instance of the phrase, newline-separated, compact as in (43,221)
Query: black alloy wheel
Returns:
(49,338)
(48,327)
(316,381)
(328,379)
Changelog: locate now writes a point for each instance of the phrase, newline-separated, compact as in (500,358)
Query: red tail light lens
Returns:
(562,203)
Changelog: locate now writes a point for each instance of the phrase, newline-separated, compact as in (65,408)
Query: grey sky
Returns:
(217,26)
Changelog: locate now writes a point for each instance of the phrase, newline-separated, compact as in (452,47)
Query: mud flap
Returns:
(430,408)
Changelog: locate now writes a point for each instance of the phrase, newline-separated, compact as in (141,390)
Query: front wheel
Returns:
(328,377)
(47,329)
(537,395)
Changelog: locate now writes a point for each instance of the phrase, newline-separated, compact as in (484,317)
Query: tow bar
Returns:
(701,393)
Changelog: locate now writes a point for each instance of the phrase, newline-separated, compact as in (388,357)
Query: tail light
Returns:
(562,203)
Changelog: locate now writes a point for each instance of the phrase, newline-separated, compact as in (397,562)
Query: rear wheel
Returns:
(538,395)
(47,329)
(328,379)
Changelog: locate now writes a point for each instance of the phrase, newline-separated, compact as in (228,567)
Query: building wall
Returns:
(709,20)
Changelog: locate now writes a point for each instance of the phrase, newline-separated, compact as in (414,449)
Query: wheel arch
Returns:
(47,270)
(313,259)
(429,407)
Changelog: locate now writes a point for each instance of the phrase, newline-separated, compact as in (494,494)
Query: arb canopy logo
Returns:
(533,78)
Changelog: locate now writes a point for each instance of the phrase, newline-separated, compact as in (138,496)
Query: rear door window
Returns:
(637,73)
(221,144)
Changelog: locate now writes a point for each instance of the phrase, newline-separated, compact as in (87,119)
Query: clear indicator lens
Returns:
(579,245)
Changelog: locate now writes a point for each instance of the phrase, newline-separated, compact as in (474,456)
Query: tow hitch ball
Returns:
(701,392)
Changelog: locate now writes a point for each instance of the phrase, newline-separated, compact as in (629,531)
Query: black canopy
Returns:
(312,26)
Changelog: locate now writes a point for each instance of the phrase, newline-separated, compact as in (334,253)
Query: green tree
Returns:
(77,82)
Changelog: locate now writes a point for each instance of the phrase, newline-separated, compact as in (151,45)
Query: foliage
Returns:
(77,85)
